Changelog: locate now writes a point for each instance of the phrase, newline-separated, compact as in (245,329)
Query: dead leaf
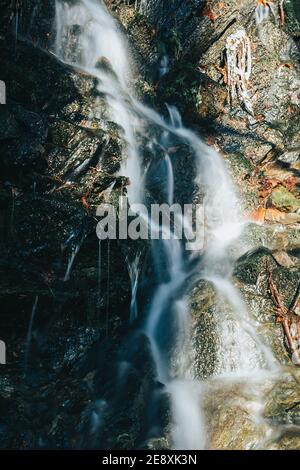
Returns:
(84,202)
(290,182)
(223,72)
(258,215)
(268,184)
(275,215)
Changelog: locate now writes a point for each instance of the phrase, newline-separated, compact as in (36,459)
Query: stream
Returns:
(88,38)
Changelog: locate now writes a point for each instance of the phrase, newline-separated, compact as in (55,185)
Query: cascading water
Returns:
(88,38)
(99,45)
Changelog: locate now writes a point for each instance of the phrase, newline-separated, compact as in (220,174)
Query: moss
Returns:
(5,196)
(284,200)
(284,400)
(145,91)
(196,96)
(241,163)
(249,267)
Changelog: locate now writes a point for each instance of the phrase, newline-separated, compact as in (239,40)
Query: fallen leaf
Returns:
(272,215)
(290,182)
(268,184)
(258,215)
(208,12)
(84,202)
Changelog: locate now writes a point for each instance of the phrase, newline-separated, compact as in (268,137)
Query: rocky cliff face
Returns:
(235,79)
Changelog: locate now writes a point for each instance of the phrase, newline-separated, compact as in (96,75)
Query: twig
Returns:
(295,300)
(284,316)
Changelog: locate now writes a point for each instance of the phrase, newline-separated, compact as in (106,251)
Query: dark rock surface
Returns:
(56,166)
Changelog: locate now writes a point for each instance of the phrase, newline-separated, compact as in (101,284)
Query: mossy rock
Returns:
(203,303)
(159,443)
(284,200)
(292,23)
(283,402)
(250,267)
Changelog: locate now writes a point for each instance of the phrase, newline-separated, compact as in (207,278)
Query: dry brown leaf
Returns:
(290,182)
(268,184)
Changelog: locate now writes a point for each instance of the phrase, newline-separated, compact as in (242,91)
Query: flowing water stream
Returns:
(88,38)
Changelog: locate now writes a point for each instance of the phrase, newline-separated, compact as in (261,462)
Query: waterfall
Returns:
(89,38)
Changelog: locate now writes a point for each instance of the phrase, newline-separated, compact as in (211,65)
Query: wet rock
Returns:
(283,400)
(259,416)
(58,157)
(252,274)
(195,25)
(251,267)
(292,18)
(9,127)
(283,259)
(230,415)
(203,310)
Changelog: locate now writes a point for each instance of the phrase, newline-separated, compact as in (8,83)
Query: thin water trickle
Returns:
(97,416)
(164,66)
(72,256)
(16,26)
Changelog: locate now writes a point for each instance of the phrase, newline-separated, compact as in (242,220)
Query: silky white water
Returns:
(99,39)
(100,49)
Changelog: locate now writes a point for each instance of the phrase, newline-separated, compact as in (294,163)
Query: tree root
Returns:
(286,317)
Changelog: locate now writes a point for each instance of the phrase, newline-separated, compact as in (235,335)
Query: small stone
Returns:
(284,200)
